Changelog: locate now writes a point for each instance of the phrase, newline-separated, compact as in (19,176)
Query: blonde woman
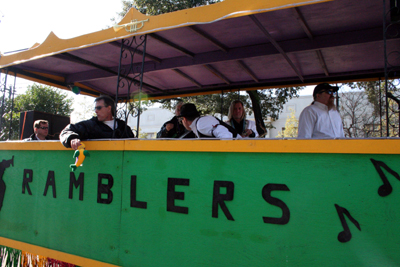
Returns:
(237,119)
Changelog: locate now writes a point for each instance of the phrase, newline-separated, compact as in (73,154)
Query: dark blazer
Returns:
(93,129)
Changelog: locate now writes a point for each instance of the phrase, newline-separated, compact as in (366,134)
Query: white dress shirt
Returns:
(317,121)
(208,125)
(252,126)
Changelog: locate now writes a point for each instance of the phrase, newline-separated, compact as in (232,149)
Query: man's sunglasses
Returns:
(99,107)
(44,128)
(327,91)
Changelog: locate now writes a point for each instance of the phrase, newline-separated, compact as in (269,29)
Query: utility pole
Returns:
(11,92)
(3,99)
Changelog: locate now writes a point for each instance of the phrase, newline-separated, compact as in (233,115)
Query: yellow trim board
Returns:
(58,255)
(345,146)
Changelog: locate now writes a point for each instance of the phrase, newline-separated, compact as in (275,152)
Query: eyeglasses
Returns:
(44,128)
(99,107)
(327,91)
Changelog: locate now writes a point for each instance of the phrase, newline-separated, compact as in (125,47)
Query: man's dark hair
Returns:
(108,101)
(189,111)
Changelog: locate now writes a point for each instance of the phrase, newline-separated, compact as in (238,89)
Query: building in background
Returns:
(296,104)
(151,121)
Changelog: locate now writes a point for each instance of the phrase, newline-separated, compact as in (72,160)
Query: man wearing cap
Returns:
(321,119)
(205,126)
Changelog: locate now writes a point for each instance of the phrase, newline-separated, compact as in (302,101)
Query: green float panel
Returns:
(181,208)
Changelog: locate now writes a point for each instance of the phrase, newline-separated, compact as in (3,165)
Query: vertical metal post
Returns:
(116,92)
(386,71)
(3,100)
(12,91)
(141,83)
(380,105)
(222,104)
(337,99)
(1,114)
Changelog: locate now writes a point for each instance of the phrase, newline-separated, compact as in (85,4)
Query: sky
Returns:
(26,22)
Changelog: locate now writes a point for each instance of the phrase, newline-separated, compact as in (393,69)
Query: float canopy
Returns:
(232,45)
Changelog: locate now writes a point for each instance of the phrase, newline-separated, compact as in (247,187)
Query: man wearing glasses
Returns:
(100,127)
(40,131)
(321,119)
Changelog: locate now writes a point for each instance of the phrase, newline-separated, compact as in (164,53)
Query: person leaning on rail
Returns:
(174,128)
(321,119)
(100,127)
(205,126)
(40,131)
(237,119)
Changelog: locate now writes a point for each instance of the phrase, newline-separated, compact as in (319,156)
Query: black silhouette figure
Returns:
(3,166)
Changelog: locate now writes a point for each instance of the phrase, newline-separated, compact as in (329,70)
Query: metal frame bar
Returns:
(212,40)
(389,67)
(76,59)
(248,70)
(137,51)
(217,73)
(277,46)
(187,77)
(172,45)
(130,77)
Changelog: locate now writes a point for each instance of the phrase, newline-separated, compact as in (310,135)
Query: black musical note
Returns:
(345,235)
(385,189)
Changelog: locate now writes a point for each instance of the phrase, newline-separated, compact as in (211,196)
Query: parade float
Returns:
(254,202)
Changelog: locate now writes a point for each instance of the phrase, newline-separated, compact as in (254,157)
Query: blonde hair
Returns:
(232,106)
(179,103)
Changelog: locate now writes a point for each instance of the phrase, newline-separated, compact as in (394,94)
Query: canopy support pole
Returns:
(130,79)
(141,84)
(390,30)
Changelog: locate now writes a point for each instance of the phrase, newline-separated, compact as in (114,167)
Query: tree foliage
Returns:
(157,7)
(45,99)
(83,108)
(37,98)
(363,110)
(291,126)
(358,116)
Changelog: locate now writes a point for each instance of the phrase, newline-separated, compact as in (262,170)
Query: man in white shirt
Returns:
(205,126)
(321,119)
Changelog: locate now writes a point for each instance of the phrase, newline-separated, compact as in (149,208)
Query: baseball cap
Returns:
(189,110)
(324,86)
